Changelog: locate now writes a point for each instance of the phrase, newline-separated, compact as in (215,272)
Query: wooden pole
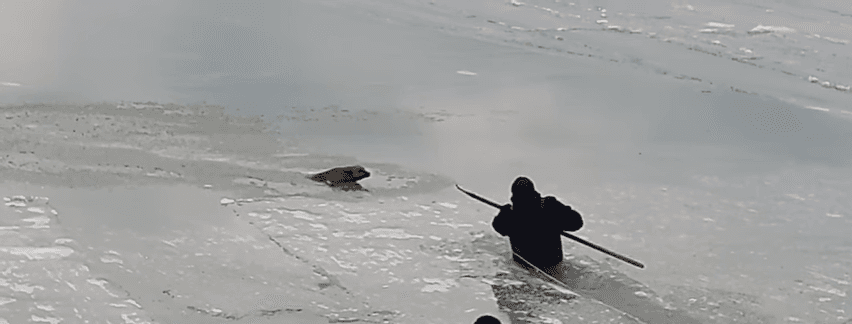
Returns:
(565,234)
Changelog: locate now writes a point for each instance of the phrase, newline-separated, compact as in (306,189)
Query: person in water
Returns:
(487,319)
(534,225)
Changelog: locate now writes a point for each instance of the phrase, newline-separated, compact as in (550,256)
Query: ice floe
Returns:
(830,290)
(832,40)
(448,205)
(38,253)
(411,214)
(38,222)
(353,218)
(51,320)
(548,320)
(16,204)
(393,233)
(760,29)
(24,288)
(718,25)
(463,72)
(344,264)
(438,285)
(109,259)
(37,210)
(303,215)
(453,225)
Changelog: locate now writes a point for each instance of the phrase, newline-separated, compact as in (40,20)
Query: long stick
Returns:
(570,236)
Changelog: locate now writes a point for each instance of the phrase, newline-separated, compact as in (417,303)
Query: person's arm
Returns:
(503,222)
(567,218)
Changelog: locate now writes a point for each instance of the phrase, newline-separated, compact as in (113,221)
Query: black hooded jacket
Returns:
(534,224)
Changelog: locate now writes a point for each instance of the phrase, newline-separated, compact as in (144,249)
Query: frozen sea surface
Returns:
(710,140)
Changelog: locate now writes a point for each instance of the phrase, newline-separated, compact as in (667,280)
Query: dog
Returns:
(343,178)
